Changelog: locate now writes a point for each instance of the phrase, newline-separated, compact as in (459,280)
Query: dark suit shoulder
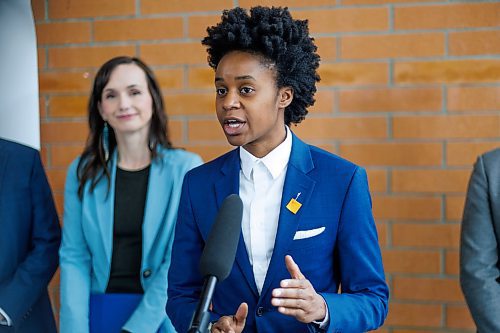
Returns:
(491,159)
(18,150)
(215,164)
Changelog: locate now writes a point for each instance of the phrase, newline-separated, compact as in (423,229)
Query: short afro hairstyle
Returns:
(273,34)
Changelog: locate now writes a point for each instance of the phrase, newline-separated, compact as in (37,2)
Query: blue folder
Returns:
(109,312)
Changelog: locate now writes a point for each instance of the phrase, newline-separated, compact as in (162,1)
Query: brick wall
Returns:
(410,90)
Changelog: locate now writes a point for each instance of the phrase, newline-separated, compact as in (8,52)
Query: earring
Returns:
(105,141)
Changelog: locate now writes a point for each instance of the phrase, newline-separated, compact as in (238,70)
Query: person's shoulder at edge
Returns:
(492,154)
(17,148)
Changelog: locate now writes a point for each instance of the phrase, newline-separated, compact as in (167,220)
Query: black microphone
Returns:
(218,257)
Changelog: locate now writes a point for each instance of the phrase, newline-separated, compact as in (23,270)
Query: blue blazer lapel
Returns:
(160,186)
(296,181)
(229,183)
(103,203)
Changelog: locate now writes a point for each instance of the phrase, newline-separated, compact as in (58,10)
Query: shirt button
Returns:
(260,311)
(146,273)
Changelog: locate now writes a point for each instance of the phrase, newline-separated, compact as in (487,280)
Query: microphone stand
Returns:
(201,318)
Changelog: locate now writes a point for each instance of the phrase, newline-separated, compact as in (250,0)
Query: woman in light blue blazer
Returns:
(121,198)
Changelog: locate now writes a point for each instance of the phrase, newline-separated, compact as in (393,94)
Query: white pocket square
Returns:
(302,234)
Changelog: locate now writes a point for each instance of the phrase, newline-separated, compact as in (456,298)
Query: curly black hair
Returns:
(273,34)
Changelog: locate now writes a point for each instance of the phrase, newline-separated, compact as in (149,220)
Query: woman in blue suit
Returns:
(308,259)
(121,200)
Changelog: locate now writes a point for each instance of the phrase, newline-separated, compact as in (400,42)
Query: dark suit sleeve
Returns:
(479,272)
(184,283)
(22,290)
(362,305)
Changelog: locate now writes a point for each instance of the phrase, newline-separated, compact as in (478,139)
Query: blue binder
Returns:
(109,312)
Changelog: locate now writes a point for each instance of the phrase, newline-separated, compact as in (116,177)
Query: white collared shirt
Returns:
(261,188)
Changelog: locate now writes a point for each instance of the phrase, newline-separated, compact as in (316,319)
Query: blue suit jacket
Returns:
(29,239)
(88,238)
(334,195)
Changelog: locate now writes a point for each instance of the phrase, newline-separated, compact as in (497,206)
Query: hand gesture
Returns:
(232,324)
(296,297)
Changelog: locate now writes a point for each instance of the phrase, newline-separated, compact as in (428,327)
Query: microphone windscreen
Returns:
(220,248)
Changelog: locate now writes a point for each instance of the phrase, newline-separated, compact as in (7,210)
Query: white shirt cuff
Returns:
(6,321)
(324,323)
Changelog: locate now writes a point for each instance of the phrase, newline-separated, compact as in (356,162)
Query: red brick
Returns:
(426,235)
(447,16)
(345,19)
(183,6)
(406,208)
(170,78)
(68,106)
(392,46)
(64,132)
(430,181)
(382,233)
(75,57)
(62,32)
(174,54)
(447,127)
(352,74)
(447,71)
(377,2)
(285,3)
(197,25)
(59,201)
(342,128)
(393,154)
(411,261)
(466,153)
(59,9)
(38,7)
(41,59)
(201,78)
(458,316)
(325,102)
(190,104)
(474,42)
(327,48)
(138,29)
(390,100)
(42,106)
(61,82)
(377,180)
(210,152)
(56,179)
(454,207)
(426,289)
(205,130)
(175,130)
(418,315)
(62,155)
(473,98)
(451,261)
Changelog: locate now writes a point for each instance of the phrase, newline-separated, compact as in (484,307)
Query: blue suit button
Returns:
(146,273)
(260,311)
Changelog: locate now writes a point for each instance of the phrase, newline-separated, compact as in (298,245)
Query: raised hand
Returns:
(296,297)
(232,324)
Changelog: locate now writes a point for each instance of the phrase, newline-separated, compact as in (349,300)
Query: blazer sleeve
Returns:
(479,272)
(184,282)
(75,262)
(19,293)
(151,311)
(362,304)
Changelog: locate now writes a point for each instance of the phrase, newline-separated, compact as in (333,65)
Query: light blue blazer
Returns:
(85,253)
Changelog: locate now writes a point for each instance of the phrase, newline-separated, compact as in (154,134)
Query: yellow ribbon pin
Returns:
(294,205)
